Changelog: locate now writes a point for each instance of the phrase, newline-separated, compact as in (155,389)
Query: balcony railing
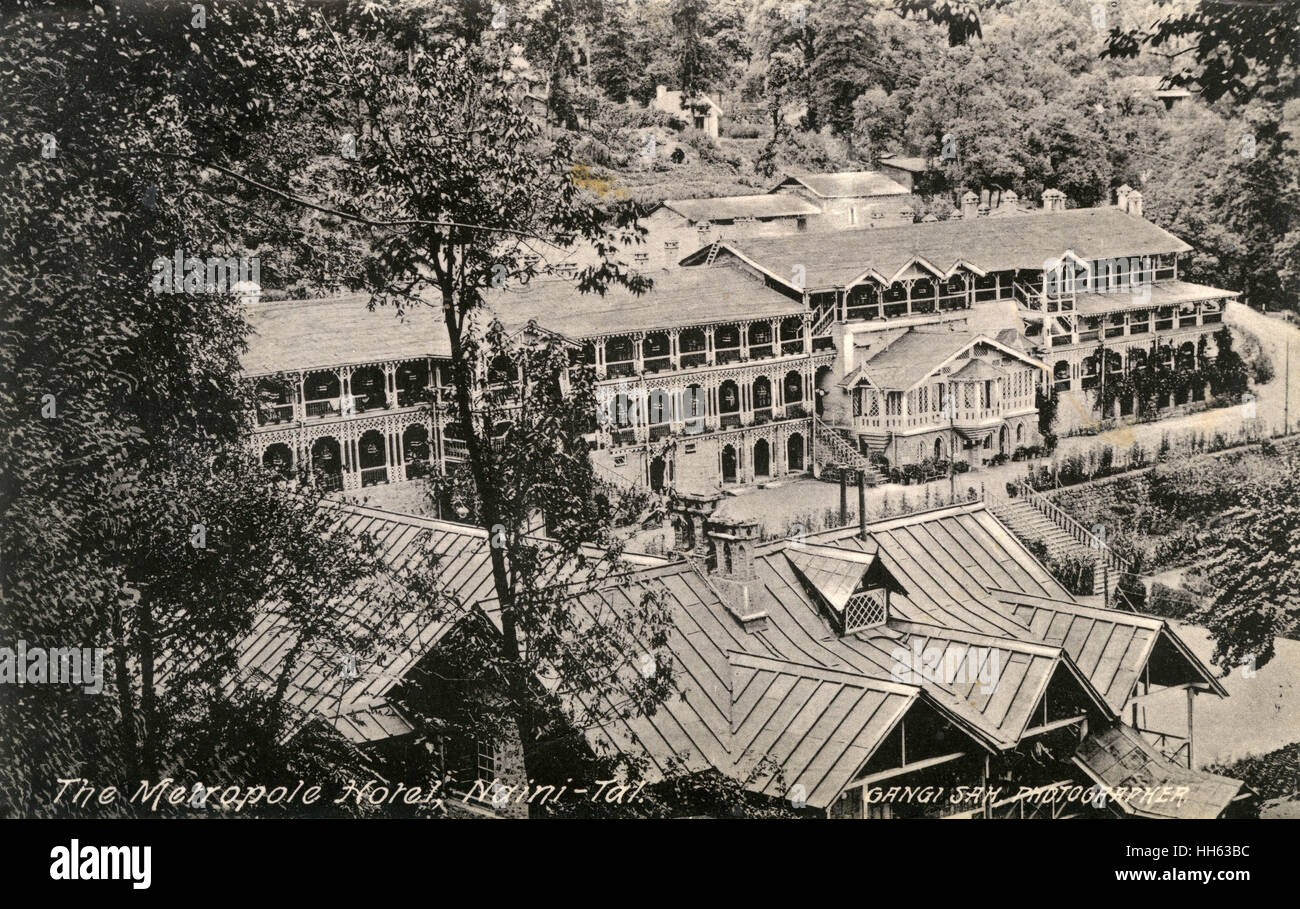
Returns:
(410,397)
(727,355)
(373,476)
(456,449)
(730,421)
(274,413)
(792,347)
(416,470)
(693,359)
(761,351)
(762,415)
(965,416)
(330,482)
(326,408)
(658,364)
(620,370)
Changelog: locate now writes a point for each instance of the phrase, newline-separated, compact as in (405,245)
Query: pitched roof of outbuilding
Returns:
(727,208)
(847,184)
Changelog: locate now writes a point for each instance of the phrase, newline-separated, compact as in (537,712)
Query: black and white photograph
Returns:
(739,411)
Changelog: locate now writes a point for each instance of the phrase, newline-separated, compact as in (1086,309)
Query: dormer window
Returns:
(852,587)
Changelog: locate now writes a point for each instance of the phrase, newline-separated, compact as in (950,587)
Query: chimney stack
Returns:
(1009,201)
(1121,197)
(1135,203)
(970,204)
(731,545)
(1053,200)
(691,511)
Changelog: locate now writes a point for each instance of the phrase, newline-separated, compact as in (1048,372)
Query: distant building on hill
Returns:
(703,112)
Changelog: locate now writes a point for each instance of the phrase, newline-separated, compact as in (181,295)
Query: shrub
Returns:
(1261,369)
(740,130)
(1075,571)
(1170,602)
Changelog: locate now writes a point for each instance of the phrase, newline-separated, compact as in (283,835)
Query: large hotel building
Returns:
(812,327)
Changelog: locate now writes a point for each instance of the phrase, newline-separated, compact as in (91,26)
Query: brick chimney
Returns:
(1121,197)
(970,204)
(690,515)
(731,548)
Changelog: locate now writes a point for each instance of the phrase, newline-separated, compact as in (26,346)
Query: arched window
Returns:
(660,406)
(794,452)
(279,458)
(728,397)
(367,384)
(793,387)
(762,392)
(762,459)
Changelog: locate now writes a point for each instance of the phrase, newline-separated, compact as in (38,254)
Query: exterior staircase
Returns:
(834,454)
(1028,523)
(1034,517)
(822,327)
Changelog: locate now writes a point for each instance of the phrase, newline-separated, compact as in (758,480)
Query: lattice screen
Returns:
(863,610)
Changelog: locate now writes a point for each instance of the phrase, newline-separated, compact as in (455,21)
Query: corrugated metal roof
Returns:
(1109,646)
(1120,759)
(948,560)
(811,726)
(357,706)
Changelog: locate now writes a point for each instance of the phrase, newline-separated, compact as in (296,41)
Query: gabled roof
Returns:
(1109,646)
(837,259)
(977,370)
(727,208)
(814,727)
(916,353)
(358,707)
(834,573)
(846,184)
(997,683)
